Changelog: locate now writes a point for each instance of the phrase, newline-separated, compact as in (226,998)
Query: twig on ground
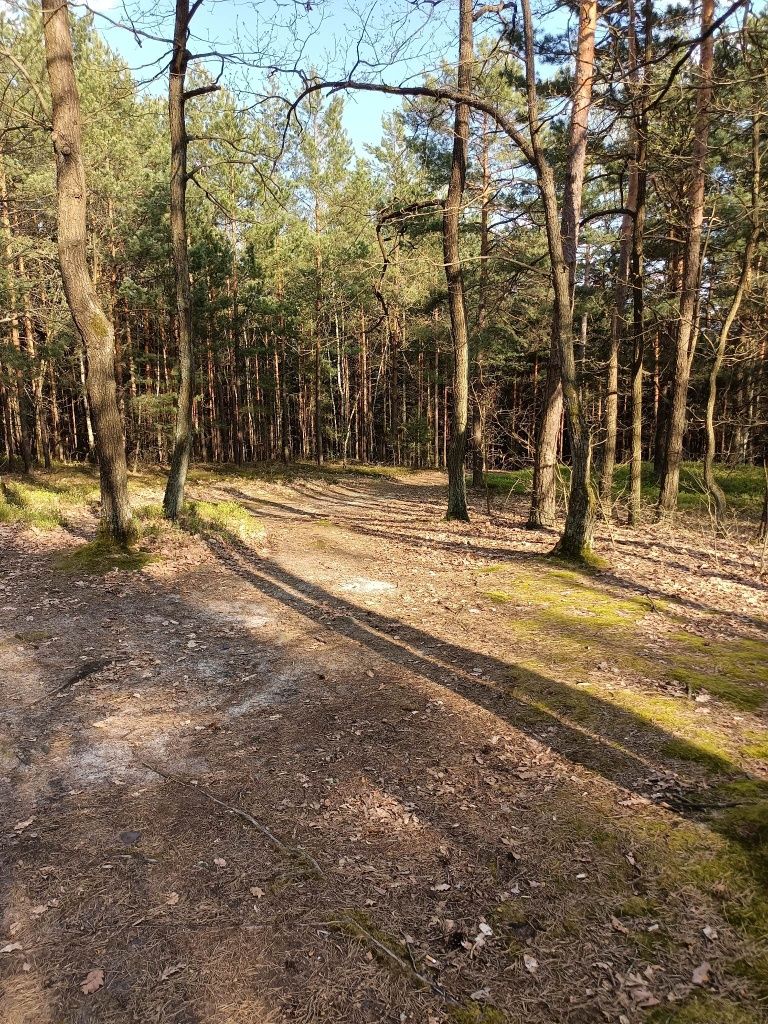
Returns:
(352,925)
(89,669)
(295,853)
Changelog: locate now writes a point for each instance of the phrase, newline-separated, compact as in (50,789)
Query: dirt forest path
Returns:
(474,785)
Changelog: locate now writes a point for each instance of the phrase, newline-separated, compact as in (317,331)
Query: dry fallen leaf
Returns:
(481,995)
(710,932)
(171,899)
(94,979)
(644,997)
(9,947)
(170,971)
(21,825)
(219,862)
(618,926)
(701,974)
(257,892)
(531,963)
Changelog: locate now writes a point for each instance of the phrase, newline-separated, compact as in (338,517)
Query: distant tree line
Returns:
(555,254)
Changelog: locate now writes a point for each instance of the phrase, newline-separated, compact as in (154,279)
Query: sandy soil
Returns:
(352,774)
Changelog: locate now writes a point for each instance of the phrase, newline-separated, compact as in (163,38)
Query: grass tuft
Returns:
(45,500)
(225,519)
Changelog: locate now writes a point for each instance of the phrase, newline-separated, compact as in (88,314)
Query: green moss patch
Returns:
(101,556)
(568,621)
(701,752)
(639,908)
(704,1009)
(44,500)
(152,512)
(734,671)
(757,744)
(742,485)
(518,481)
(748,825)
(566,597)
(29,505)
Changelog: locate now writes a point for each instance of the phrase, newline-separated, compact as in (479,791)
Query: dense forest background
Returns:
(319,303)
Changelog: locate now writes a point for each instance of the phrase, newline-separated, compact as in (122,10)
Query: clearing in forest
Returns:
(317,755)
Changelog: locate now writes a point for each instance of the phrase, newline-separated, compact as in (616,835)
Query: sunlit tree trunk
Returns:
(562,240)
(457,489)
(714,489)
(640,119)
(92,325)
(691,264)
(478,449)
(182,441)
(619,317)
(563,243)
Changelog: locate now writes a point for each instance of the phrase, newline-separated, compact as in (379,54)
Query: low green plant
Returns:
(221,518)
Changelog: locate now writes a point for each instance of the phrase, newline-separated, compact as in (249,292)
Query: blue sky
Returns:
(283,33)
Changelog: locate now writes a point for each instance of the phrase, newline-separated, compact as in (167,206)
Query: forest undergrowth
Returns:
(315,754)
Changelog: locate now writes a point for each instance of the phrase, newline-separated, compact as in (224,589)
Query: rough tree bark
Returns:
(457,488)
(182,442)
(619,316)
(543,507)
(692,258)
(714,489)
(562,241)
(478,412)
(93,326)
(640,117)
(24,407)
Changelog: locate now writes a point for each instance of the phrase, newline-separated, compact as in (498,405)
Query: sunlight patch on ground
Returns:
(246,613)
(281,687)
(361,585)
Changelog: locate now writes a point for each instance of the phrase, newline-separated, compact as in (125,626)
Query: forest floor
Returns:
(320,756)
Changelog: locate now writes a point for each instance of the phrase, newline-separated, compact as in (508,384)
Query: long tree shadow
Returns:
(613,743)
(376,529)
(616,743)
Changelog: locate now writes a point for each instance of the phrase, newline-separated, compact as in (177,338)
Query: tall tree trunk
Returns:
(93,326)
(563,241)
(691,263)
(619,317)
(457,488)
(21,384)
(640,118)
(543,509)
(711,484)
(478,412)
(182,442)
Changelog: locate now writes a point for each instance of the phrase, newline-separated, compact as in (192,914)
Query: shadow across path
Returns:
(613,742)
